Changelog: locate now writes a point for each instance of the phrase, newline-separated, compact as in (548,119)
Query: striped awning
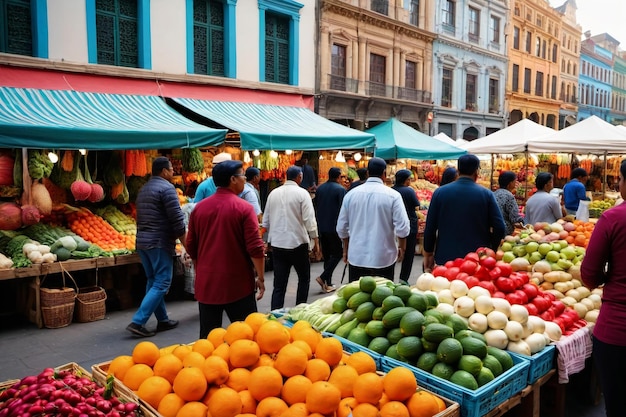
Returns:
(64,119)
(263,126)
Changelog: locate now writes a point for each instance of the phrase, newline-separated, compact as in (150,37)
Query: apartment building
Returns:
(570,60)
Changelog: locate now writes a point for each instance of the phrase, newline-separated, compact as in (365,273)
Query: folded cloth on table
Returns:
(573,350)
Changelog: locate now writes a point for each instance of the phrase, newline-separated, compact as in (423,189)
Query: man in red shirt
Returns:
(223,241)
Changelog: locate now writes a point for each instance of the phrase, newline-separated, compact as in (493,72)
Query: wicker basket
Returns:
(57,316)
(90,304)
(53,297)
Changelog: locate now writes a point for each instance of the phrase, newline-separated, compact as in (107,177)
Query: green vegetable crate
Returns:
(474,403)
(540,363)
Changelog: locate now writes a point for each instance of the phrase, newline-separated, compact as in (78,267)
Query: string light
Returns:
(273,154)
(288,152)
(339,157)
(321,156)
(256,152)
(357,156)
(246,157)
(54,158)
(82,151)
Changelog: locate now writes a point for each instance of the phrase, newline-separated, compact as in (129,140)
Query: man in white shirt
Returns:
(290,222)
(371,217)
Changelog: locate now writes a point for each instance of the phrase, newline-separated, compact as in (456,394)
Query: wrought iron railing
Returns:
(336,82)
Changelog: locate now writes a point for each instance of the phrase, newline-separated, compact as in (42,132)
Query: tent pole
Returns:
(526,177)
(491,174)
(604,175)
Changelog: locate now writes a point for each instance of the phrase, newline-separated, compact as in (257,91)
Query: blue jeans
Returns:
(158,265)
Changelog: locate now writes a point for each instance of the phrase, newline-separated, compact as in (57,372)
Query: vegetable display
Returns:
(192,160)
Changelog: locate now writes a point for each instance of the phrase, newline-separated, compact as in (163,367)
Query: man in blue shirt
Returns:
(207,187)
(574,190)
(462,217)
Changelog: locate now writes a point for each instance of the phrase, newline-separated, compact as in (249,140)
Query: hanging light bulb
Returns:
(357,156)
(321,156)
(288,152)
(256,152)
(273,154)
(54,158)
(339,157)
(82,151)
(246,157)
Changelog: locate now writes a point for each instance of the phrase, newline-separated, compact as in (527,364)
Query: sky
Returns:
(600,16)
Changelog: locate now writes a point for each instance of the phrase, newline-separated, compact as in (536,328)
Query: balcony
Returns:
(471,106)
(380,6)
(411,94)
(473,38)
(336,82)
(494,108)
(378,89)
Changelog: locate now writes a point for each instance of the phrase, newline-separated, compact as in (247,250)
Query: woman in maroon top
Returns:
(605,263)
(224,242)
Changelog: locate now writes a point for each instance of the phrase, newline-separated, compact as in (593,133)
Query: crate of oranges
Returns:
(259,367)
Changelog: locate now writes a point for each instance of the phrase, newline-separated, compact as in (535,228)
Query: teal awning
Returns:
(395,139)
(263,126)
(63,119)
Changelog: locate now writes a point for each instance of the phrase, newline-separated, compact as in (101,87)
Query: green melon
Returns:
(379,345)
(349,290)
(367,284)
(473,346)
(410,347)
(340,305)
(493,364)
(471,364)
(449,351)
(359,336)
(443,370)
(411,323)
(418,301)
(485,376)
(364,312)
(394,335)
(436,332)
(502,356)
(378,313)
(427,361)
(391,302)
(464,379)
(375,328)
(402,291)
(358,299)
(392,318)
(380,293)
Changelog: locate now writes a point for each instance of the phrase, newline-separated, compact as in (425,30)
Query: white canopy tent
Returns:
(445,138)
(512,139)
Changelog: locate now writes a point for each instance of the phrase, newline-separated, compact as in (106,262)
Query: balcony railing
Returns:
(411,94)
(350,85)
(378,89)
(473,37)
(336,82)
(494,108)
(471,106)
(380,6)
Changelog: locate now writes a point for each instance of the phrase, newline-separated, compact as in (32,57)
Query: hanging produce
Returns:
(192,160)
(80,188)
(18,169)
(6,168)
(67,162)
(135,163)
(30,215)
(41,198)
(10,216)
(39,165)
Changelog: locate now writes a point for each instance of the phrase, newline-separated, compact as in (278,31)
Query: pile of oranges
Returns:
(258,367)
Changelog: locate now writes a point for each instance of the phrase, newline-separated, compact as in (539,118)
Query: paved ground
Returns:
(26,350)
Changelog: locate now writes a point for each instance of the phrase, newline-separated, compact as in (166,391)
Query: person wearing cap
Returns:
(507,181)
(207,187)
(160,221)
(223,241)
(308,174)
(574,190)
(372,216)
(462,217)
(411,203)
(328,199)
(250,193)
(289,219)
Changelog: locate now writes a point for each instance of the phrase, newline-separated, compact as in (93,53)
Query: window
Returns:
(16,27)
(495,30)
(380,6)
(410,74)
(527,75)
(539,84)
(474,24)
(414,17)
(529,40)
(338,67)
(555,50)
(117,38)
(378,64)
(539,21)
(494,93)
(470,93)
(208,37)
(516,11)
(449,13)
(515,37)
(543,49)
(515,78)
(538,46)
(276,48)
(446,88)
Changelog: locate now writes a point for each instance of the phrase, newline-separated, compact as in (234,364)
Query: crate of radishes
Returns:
(65,390)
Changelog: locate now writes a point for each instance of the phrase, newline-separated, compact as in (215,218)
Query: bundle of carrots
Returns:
(564,171)
(135,163)
(96,230)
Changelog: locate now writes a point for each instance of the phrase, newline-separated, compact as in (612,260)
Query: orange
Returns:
(272,336)
(168,349)
(290,361)
(345,407)
(308,335)
(362,362)
(295,388)
(296,410)
(223,351)
(264,360)
(323,397)
(120,365)
(399,384)
(441,403)
(244,353)
(248,403)
(153,389)
(203,346)
(181,351)
(330,350)
(301,344)
(238,379)
(394,409)
(344,377)
(265,381)
(168,366)
(271,407)
(383,400)
(225,402)
(146,352)
(365,410)
(255,320)
(238,330)
(136,374)
(170,404)
(192,409)
(368,388)
(216,336)
(246,415)
(190,384)
(209,393)
(422,404)
(300,324)
(193,359)
(215,370)
(317,370)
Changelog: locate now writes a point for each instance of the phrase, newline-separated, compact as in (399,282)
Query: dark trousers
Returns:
(211,314)
(610,363)
(332,251)
(409,255)
(356,272)
(284,259)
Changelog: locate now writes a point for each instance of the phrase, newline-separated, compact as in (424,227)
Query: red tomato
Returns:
(548,295)
(531,290)
(452,273)
(559,308)
(488,262)
(532,309)
(541,303)
(472,281)
(449,264)
(468,266)
(484,251)
(560,322)
(488,285)
(513,298)
(495,273)
(498,294)
(472,256)
(522,295)
(505,268)
(547,315)
(462,276)
(458,261)
(506,285)
(482,273)
(439,271)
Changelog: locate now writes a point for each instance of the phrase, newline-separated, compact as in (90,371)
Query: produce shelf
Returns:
(540,363)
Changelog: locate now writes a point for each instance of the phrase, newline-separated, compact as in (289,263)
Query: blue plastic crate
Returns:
(474,403)
(540,363)
(351,347)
